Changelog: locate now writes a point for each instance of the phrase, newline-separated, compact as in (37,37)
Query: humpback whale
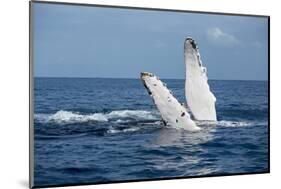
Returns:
(200,99)
(172,112)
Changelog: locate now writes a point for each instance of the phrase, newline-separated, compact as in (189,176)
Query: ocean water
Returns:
(103,130)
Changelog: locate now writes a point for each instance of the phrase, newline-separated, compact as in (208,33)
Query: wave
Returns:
(68,117)
(224,123)
(228,123)
(114,131)
(62,117)
(245,123)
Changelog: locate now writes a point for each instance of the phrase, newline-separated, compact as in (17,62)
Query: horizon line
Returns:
(75,77)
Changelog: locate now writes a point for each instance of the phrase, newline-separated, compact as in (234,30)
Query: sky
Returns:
(95,42)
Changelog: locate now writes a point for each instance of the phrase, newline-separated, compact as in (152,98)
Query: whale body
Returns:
(172,112)
(200,99)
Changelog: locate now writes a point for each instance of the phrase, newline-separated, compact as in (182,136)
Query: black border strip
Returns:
(268,84)
(147,8)
(31,112)
(147,180)
(31,142)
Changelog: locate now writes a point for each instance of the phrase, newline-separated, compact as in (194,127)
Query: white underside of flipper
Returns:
(172,112)
(200,99)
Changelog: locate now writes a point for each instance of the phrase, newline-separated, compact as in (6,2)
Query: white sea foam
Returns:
(138,114)
(235,123)
(69,117)
(122,116)
(132,129)
(224,123)
(76,117)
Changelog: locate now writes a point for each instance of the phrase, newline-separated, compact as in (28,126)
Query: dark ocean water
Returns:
(102,130)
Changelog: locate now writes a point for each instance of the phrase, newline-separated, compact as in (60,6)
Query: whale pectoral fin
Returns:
(186,107)
(199,97)
(172,112)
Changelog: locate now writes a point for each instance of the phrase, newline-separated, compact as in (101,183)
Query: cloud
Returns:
(218,37)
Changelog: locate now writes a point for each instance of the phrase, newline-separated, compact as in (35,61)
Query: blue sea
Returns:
(103,130)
